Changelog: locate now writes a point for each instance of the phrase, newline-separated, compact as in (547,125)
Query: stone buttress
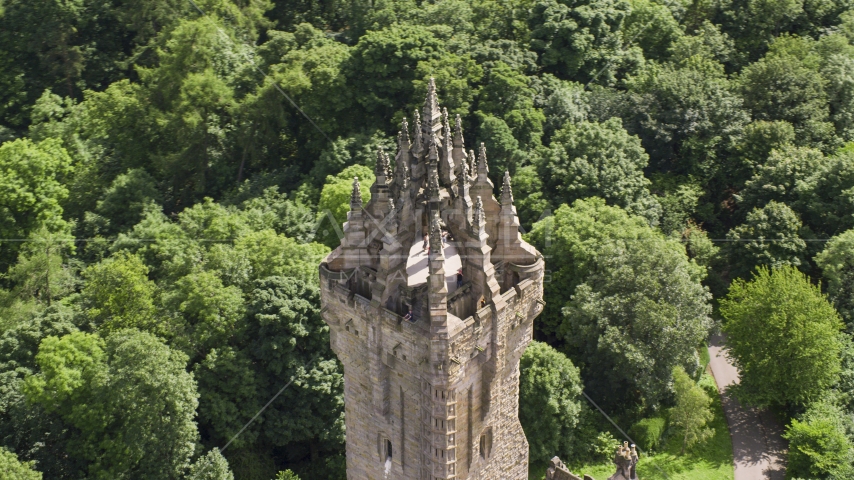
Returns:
(430,300)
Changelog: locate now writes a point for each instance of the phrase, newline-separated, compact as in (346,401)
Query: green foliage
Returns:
(124,202)
(760,138)
(32,191)
(287,475)
(770,236)
(779,177)
(582,40)
(785,85)
(335,201)
(43,271)
(783,336)
(691,412)
(679,199)
(211,466)
(104,387)
(690,115)
(648,432)
(549,402)
(818,444)
(837,265)
(15,470)
(118,294)
(508,98)
(599,160)
(624,323)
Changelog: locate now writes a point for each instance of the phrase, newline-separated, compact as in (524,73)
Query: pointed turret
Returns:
(446,160)
(432,182)
(506,190)
(381,169)
(403,141)
(437,296)
(463,200)
(356,195)
(458,133)
(478,223)
(431,116)
(401,161)
(418,145)
(482,167)
(354,228)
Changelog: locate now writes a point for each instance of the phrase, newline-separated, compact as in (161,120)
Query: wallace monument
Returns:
(430,300)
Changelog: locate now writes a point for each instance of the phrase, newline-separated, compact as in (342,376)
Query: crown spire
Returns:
(356,194)
(382,167)
(403,136)
(506,190)
(482,167)
(479,221)
(431,115)
(446,125)
(458,133)
(435,235)
(419,139)
(463,177)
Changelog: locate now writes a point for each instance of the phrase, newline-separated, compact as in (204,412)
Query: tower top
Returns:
(431,294)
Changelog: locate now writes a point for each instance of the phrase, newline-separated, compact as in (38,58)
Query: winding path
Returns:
(759,451)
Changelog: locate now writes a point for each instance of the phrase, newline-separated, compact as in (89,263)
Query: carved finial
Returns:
(391,210)
(435,235)
(479,221)
(419,141)
(387,163)
(381,167)
(404,174)
(432,181)
(463,178)
(403,136)
(433,152)
(356,195)
(458,133)
(482,167)
(446,124)
(472,163)
(506,190)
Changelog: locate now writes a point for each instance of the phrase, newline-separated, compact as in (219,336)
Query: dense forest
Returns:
(173,171)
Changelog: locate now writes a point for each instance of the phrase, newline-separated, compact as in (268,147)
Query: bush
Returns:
(647,432)
(818,446)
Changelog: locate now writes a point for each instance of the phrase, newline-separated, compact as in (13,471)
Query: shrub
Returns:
(647,432)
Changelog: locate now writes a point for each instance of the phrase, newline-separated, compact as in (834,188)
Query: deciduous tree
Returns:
(783,336)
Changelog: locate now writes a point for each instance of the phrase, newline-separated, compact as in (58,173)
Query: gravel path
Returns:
(759,451)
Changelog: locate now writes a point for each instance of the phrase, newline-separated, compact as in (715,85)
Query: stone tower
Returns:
(430,301)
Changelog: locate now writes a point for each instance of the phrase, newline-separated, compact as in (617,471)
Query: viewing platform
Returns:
(417,269)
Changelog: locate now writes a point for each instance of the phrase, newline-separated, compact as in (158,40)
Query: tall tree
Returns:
(31,190)
(129,396)
(691,412)
(549,401)
(837,266)
(783,336)
(599,160)
(624,323)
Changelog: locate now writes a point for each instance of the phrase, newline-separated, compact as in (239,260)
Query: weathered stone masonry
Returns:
(431,367)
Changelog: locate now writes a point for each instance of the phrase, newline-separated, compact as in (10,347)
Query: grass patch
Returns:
(711,460)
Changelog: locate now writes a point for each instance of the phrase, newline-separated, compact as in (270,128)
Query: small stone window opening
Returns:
(388,449)
(486,444)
